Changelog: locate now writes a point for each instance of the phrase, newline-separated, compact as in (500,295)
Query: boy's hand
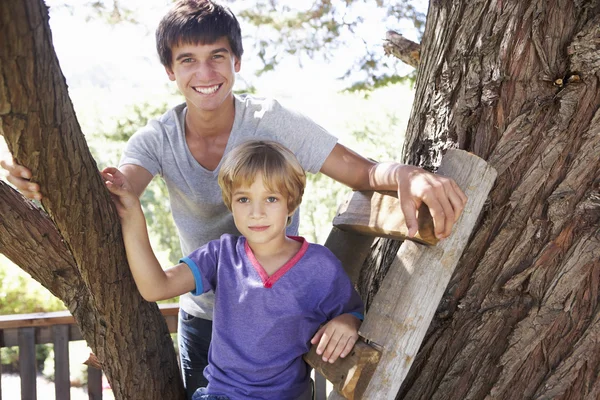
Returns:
(122,194)
(19,176)
(337,337)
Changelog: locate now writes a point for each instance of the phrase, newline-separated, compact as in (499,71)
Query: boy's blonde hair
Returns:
(280,169)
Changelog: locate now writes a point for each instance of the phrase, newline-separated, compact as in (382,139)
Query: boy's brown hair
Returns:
(197,21)
(279,167)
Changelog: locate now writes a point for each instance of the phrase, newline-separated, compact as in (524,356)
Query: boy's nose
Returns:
(258,210)
(204,70)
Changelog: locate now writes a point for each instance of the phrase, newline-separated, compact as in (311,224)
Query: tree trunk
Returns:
(128,335)
(518,84)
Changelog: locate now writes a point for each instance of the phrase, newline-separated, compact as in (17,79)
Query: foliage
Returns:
(10,357)
(20,294)
(324,28)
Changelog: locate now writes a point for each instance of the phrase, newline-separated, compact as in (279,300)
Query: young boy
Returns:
(272,291)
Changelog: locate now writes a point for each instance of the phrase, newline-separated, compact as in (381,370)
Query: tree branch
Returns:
(405,50)
(29,239)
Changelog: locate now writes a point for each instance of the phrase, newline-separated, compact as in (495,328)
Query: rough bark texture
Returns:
(517,83)
(128,335)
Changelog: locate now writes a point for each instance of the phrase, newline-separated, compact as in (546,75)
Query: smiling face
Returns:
(205,73)
(260,214)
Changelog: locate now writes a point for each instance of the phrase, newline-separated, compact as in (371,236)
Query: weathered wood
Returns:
(320,387)
(349,375)
(350,248)
(94,383)
(406,302)
(27,367)
(379,214)
(405,50)
(62,380)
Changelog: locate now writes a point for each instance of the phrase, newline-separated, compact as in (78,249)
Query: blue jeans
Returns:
(193,336)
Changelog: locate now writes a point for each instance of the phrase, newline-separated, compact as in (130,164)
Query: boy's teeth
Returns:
(208,90)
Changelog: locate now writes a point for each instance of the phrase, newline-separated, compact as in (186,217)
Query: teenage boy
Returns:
(199,43)
(272,291)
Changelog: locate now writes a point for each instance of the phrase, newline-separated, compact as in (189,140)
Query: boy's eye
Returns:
(243,200)
(216,56)
(187,60)
(271,199)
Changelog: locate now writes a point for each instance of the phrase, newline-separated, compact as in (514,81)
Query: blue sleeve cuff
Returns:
(358,315)
(197,277)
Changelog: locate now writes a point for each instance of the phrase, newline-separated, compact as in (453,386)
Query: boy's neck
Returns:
(274,255)
(201,123)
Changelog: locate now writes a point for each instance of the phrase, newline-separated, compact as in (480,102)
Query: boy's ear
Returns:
(169,71)
(237,65)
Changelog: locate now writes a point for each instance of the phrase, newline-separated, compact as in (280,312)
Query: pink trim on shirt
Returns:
(269,281)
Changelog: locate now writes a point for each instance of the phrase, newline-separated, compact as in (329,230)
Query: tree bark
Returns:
(127,334)
(518,84)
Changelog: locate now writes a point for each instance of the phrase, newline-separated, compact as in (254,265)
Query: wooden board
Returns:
(379,214)
(410,293)
(350,375)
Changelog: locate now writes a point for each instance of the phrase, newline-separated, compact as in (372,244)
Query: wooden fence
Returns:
(58,328)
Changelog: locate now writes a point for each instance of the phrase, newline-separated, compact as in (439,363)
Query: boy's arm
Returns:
(152,281)
(413,185)
(337,337)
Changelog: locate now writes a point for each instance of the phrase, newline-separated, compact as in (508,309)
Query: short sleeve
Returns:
(144,148)
(342,298)
(203,264)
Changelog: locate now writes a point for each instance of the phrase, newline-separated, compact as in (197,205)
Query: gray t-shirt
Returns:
(195,196)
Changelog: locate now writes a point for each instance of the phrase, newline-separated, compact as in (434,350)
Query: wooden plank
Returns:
(35,319)
(350,248)
(379,214)
(43,322)
(349,375)
(61,317)
(320,387)
(43,335)
(410,293)
(27,367)
(62,380)
(94,383)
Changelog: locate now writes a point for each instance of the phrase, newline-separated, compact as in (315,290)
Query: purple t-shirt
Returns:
(263,325)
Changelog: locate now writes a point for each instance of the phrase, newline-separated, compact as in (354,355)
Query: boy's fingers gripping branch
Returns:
(19,176)
(119,187)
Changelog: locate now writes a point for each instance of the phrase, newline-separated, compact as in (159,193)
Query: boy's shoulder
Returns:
(323,254)
(168,122)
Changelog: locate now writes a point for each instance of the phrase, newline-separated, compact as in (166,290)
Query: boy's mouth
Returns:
(207,89)
(258,228)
